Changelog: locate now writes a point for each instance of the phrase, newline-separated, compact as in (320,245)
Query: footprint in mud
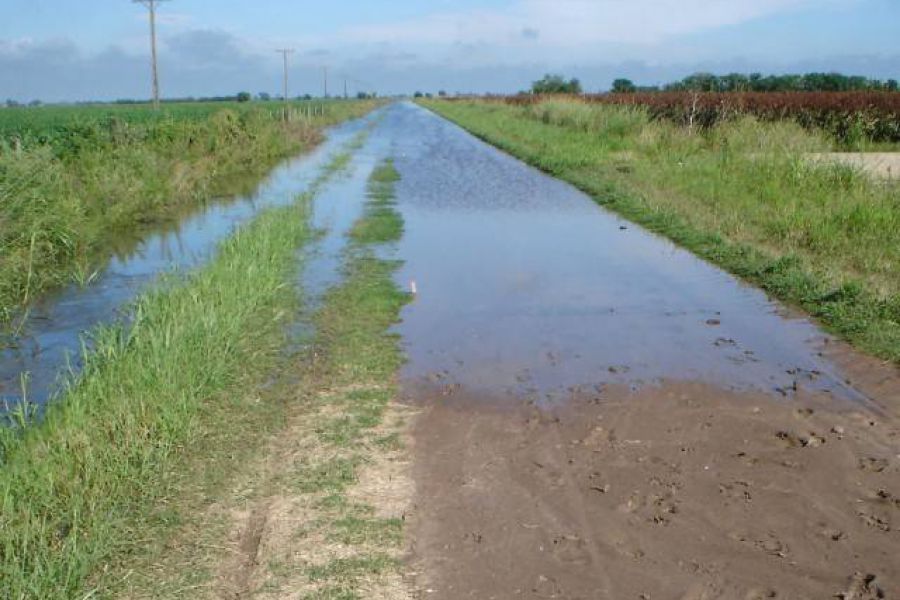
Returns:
(862,587)
(886,498)
(873,465)
(792,440)
(874,520)
(546,587)
(571,549)
(738,490)
(829,532)
(769,544)
(664,506)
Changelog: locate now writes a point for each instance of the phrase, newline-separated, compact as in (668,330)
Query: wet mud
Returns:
(678,491)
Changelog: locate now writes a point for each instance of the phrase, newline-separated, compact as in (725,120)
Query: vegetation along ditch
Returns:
(75,180)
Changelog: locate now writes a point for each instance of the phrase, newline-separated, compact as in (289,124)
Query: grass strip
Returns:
(88,486)
(296,519)
(358,363)
(741,196)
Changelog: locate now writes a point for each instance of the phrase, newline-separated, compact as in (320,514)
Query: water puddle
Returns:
(527,286)
(51,339)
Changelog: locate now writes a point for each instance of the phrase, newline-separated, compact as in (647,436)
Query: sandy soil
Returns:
(680,491)
(880,164)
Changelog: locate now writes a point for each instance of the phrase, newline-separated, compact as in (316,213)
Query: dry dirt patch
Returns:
(885,165)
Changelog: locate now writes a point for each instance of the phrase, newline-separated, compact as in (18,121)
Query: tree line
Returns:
(757,82)
(732,82)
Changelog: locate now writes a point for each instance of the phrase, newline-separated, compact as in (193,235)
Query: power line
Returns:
(151,9)
(285,52)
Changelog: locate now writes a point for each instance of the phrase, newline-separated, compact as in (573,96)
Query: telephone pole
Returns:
(151,8)
(345,89)
(325,73)
(285,52)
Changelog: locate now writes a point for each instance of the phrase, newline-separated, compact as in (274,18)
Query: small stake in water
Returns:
(413,288)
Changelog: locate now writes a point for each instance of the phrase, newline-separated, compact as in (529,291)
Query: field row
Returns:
(851,117)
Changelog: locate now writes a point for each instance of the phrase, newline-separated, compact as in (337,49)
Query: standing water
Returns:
(526,286)
(51,340)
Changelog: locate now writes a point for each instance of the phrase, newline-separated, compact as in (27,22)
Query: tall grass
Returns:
(76,488)
(742,194)
(68,189)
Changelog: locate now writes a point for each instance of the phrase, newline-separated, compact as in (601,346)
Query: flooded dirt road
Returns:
(606,416)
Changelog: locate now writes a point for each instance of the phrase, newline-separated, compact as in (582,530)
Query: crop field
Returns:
(854,119)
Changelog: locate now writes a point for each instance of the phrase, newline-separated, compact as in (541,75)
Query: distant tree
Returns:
(556,84)
(12,103)
(891,85)
(623,86)
(264,96)
(418,95)
(442,94)
(35,103)
(243,97)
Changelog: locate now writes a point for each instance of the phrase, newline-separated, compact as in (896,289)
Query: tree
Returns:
(556,84)
(442,94)
(418,95)
(264,96)
(244,97)
(35,103)
(891,85)
(623,86)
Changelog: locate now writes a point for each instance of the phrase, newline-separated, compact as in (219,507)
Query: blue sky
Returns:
(67,50)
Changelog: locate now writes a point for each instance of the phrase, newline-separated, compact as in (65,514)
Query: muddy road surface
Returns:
(602,415)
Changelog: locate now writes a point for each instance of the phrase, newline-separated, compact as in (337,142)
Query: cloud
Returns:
(573,23)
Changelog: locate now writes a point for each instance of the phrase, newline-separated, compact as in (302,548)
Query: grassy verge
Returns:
(742,195)
(71,190)
(168,401)
(306,516)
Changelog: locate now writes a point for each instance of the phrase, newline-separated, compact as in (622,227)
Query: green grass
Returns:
(357,354)
(165,403)
(381,223)
(77,182)
(741,195)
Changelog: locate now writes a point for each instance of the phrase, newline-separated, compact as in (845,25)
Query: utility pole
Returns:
(325,73)
(345,89)
(151,8)
(285,52)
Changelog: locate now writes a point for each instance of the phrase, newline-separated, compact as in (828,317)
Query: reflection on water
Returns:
(526,285)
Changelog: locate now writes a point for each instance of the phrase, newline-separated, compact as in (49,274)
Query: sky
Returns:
(65,50)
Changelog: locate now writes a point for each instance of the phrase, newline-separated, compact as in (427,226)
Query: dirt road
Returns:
(605,416)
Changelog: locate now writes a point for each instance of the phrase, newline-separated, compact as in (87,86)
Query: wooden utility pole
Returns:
(151,9)
(285,52)
(325,73)
(345,89)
